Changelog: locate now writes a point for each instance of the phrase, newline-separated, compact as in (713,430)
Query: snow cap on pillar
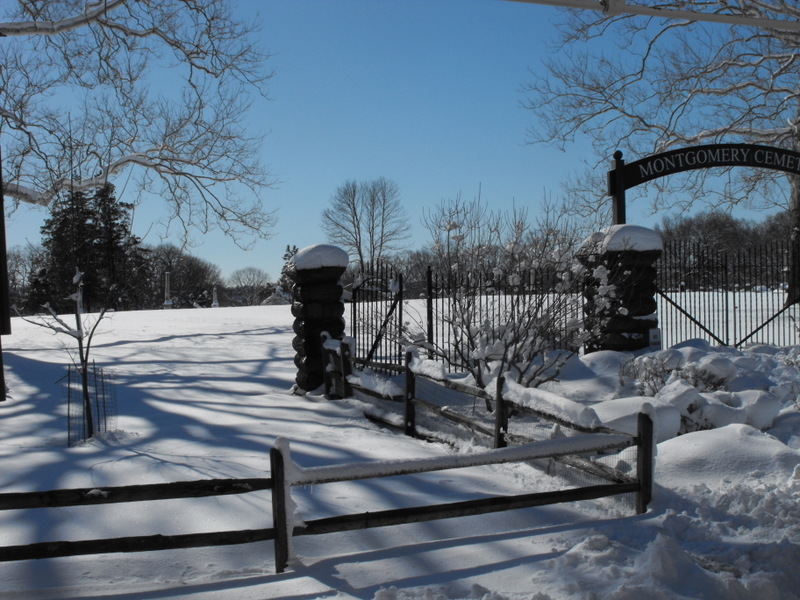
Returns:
(319,256)
(618,238)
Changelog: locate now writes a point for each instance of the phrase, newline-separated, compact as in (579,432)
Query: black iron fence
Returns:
(726,298)
(376,322)
(437,310)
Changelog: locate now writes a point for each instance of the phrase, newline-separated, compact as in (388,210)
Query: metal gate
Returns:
(726,298)
(377,317)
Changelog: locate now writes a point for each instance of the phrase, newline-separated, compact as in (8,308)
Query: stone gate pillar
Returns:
(620,307)
(317,306)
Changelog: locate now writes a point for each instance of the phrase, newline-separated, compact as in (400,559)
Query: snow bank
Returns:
(709,387)
(724,456)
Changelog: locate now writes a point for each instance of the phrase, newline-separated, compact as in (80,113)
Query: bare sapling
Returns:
(83,333)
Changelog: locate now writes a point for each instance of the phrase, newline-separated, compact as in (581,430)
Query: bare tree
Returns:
(713,230)
(248,286)
(160,88)
(463,234)
(83,333)
(192,279)
(513,299)
(23,263)
(643,85)
(366,219)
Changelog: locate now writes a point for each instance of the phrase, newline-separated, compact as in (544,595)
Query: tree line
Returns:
(677,83)
(468,236)
(89,232)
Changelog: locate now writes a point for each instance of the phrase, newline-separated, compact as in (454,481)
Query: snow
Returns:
(623,237)
(621,414)
(206,394)
(552,404)
(547,448)
(319,256)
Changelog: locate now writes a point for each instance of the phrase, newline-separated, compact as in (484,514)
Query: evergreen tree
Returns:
(120,263)
(285,282)
(89,233)
(67,240)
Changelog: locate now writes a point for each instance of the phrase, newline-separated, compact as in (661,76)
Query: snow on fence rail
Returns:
(286,474)
(422,390)
(341,380)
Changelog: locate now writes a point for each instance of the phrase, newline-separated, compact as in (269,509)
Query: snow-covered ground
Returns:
(205,394)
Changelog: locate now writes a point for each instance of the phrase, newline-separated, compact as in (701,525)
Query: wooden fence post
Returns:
(280,524)
(410,425)
(500,416)
(644,462)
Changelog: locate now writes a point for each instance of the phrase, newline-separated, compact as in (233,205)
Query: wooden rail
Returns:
(132,493)
(280,485)
(280,461)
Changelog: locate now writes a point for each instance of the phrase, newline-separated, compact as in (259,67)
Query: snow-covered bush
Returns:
(713,387)
(649,373)
(512,299)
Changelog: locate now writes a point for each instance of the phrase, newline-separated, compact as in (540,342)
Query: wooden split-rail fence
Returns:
(280,486)
(572,450)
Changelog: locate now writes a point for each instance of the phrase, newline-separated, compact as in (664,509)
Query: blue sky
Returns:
(426,93)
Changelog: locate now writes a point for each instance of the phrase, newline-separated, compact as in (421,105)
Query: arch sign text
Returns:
(625,176)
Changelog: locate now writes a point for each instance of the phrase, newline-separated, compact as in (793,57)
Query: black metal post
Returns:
(429,310)
(400,348)
(326,361)
(347,368)
(616,188)
(500,415)
(5,299)
(410,426)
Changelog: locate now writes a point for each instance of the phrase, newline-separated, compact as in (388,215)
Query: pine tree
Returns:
(120,263)
(285,282)
(90,234)
(67,240)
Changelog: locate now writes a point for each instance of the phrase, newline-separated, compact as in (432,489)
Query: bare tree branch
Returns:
(643,85)
(92,12)
(156,88)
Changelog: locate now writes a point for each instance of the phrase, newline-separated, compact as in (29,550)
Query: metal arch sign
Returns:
(625,176)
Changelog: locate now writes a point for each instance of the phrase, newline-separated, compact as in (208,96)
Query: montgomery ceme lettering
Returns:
(773,158)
